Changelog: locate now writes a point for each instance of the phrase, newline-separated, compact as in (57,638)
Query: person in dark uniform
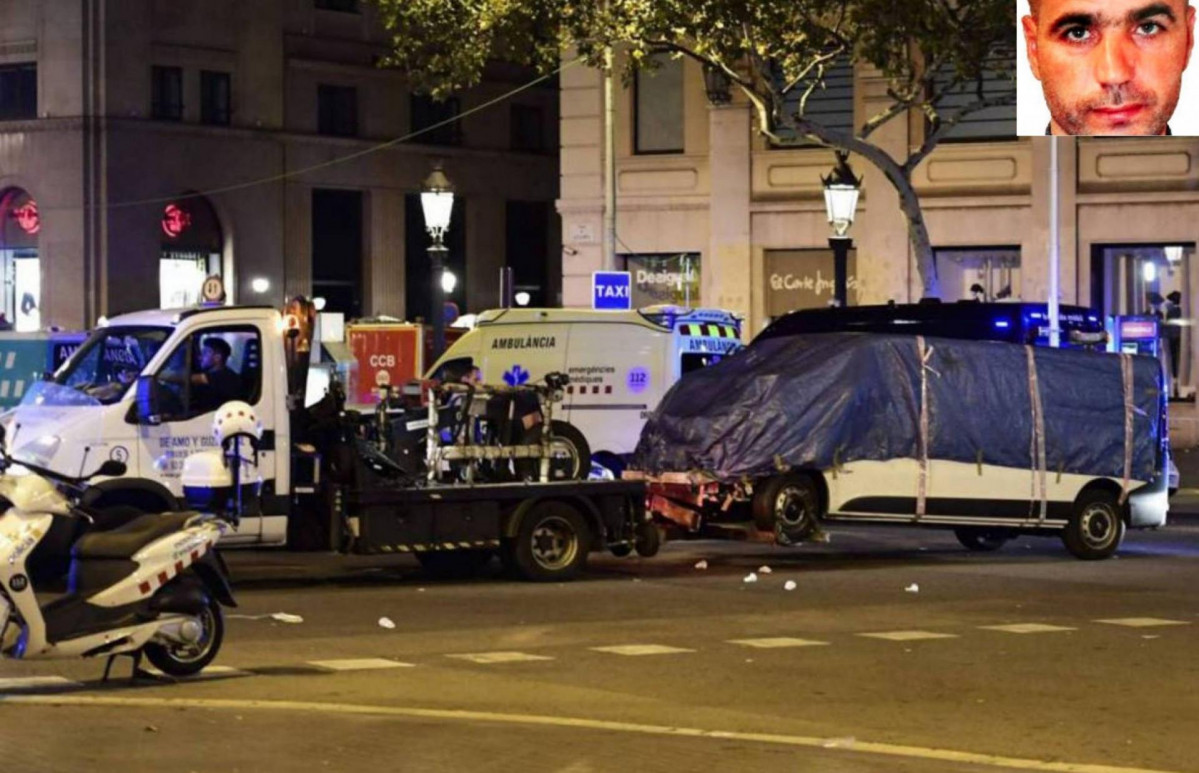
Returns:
(1172,333)
(217,384)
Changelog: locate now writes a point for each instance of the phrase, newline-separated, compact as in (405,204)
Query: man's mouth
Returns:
(1118,114)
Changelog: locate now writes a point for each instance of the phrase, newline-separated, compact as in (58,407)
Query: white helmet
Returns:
(236,418)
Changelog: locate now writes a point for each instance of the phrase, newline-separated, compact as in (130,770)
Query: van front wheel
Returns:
(788,505)
(1096,527)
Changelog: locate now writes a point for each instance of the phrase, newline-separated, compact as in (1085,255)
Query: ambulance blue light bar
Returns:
(1003,324)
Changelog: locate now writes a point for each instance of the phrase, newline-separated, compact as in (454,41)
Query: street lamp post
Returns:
(841,190)
(437,201)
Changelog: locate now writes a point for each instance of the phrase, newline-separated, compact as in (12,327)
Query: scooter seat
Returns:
(124,541)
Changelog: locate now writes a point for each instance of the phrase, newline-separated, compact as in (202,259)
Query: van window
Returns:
(455,369)
(212,367)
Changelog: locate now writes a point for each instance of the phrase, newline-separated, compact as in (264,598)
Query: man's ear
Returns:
(1190,33)
(1030,42)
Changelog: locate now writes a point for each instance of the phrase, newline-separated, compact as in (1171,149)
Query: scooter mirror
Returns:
(111,469)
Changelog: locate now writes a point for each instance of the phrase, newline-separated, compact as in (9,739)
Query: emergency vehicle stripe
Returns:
(178,567)
(144,587)
(163,577)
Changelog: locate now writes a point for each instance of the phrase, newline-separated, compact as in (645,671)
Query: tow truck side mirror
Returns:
(147,401)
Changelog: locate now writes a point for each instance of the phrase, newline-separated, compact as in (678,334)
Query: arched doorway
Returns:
(20,267)
(192,244)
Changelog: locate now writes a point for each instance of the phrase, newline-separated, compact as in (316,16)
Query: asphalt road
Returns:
(895,651)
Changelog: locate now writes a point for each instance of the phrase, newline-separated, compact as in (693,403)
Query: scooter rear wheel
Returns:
(190,659)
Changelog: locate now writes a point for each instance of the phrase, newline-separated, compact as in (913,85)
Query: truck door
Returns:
(210,367)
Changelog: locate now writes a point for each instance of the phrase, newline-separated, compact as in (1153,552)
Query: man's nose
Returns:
(1115,61)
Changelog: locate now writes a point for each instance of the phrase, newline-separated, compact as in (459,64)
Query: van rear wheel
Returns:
(788,505)
(1096,527)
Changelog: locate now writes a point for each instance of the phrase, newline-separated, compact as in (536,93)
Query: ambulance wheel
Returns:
(1096,527)
(551,543)
(980,540)
(178,659)
(788,504)
(570,455)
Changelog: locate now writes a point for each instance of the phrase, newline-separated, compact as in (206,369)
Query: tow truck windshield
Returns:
(106,365)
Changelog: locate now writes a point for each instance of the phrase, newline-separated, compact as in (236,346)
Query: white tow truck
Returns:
(136,391)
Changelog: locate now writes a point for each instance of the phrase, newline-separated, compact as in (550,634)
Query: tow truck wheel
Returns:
(788,503)
(1096,527)
(551,543)
(980,540)
(179,659)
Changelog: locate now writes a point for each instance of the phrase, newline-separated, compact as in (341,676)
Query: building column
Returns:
(581,198)
(726,268)
(1074,278)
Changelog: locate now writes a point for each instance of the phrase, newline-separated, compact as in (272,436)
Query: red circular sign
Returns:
(175,220)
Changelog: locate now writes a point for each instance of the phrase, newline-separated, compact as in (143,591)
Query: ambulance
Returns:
(620,363)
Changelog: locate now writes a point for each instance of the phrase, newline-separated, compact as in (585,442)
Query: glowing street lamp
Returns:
(437,201)
(841,191)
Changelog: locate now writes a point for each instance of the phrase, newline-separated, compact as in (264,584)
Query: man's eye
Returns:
(1150,28)
(1077,34)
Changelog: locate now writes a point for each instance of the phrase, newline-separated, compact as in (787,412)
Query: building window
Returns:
(527,128)
(427,113)
(337,108)
(18,91)
(337,247)
(994,123)
(214,98)
(167,99)
(658,107)
(346,6)
(979,273)
(831,106)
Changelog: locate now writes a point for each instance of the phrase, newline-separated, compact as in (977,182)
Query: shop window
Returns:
(979,273)
(994,123)
(210,368)
(345,6)
(527,128)
(166,101)
(658,106)
(192,247)
(672,278)
(18,91)
(830,104)
(337,110)
(215,98)
(20,266)
(437,121)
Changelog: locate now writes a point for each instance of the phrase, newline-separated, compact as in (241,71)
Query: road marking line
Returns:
(485,658)
(358,664)
(1142,622)
(1027,628)
(209,672)
(909,635)
(641,649)
(32,682)
(778,641)
(831,745)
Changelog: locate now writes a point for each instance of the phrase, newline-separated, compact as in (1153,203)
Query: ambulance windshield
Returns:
(107,364)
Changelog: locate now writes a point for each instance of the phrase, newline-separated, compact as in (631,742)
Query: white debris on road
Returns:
(284,617)
(703,564)
(386,622)
(913,588)
(789,585)
(751,577)
(764,570)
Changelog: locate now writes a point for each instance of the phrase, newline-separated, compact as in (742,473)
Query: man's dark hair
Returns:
(1175,298)
(220,346)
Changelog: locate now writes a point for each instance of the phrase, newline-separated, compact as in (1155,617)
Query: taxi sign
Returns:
(612,290)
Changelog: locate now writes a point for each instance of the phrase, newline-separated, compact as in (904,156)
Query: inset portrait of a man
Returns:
(1109,67)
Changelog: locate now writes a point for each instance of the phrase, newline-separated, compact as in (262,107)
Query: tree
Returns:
(776,52)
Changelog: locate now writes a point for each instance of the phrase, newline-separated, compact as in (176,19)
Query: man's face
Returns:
(210,358)
(1110,66)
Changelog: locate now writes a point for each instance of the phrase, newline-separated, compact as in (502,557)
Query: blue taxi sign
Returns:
(612,290)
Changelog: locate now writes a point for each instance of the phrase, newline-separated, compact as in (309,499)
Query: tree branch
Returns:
(942,128)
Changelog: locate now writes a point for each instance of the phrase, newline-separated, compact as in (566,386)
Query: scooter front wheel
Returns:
(187,659)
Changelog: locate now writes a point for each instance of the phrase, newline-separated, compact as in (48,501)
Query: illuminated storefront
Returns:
(192,248)
(20,266)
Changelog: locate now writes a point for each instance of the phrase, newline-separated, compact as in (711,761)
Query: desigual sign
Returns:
(672,279)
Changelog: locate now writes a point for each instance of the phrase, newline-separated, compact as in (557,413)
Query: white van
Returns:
(620,363)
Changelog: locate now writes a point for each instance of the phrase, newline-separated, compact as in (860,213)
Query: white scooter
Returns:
(152,586)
